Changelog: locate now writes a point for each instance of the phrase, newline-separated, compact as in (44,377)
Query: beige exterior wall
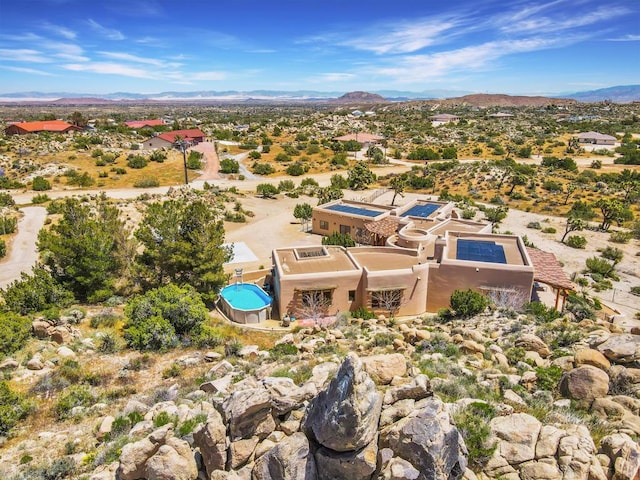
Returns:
(335,219)
(156,142)
(413,282)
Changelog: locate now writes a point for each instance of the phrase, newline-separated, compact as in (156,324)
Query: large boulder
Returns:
(589,356)
(518,434)
(621,348)
(383,368)
(357,465)
(344,417)
(428,440)
(286,395)
(624,454)
(212,441)
(584,383)
(290,459)
(248,414)
(173,461)
(532,343)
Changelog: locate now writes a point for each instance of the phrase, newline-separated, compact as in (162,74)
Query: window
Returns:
(324,225)
(316,298)
(387,299)
(345,229)
(352,295)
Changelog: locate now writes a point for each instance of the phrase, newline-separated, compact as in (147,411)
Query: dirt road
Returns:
(23,254)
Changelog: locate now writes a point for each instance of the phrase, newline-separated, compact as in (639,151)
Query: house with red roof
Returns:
(55,126)
(144,123)
(192,136)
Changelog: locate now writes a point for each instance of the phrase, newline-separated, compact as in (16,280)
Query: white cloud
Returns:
(60,30)
(32,71)
(24,37)
(67,51)
(213,76)
(336,77)
(23,55)
(626,38)
(526,23)
(133,58)
(109,68)
(110,33)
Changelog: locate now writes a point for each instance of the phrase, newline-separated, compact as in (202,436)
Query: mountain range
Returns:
(617,94)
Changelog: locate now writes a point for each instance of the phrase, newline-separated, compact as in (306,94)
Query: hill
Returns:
(617,94)
(499,100)
(359,97)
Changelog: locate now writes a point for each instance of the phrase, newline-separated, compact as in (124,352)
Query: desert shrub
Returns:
(137,161)
(299,374)
(515,355)
(108,343)
(473,424)
(74,396)
(282,350)
(8,225)
(232,347)
(576,241)
(153,333)
(534,225)
(548,377)
(40,183)
(206,336)
(15,330)
(6,200)
(35,293)
(549,230)
(295,169)
(635,291)
(164,418)
(14,406)
(172,371)
(147,182)
(105,319)
(599,266)
(40,198)
(621,237)
(157,156)
(364,313)
(229,165)
(337,238)
(3,248)
(468,303)
(194,160)
(541,312)
(262,168)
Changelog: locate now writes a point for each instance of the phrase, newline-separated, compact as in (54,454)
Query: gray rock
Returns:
(240,452)
(518,434)
(344,417)
(624,454)
(533,343)
(211,439)
(584,383)
(429,441)
(383,368)
(621,348)
(399,469)
(289,460)
(173,461)
(248,414)
(357,465)
(417,389)
(286,395)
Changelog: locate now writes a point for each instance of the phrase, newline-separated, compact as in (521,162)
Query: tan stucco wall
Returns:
(444,278)
(414,281)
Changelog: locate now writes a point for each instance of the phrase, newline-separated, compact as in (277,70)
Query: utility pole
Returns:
(183,146)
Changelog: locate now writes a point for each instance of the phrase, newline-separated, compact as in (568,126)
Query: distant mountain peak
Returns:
(360,97)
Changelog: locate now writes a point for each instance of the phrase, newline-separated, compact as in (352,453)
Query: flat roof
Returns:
(422,210)
(353,210)
(316,259)
(456,225)
(384,258)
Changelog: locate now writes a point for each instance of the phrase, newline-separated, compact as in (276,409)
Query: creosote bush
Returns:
(468,303)
(473,425)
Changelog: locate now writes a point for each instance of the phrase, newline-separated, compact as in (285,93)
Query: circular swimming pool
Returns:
(245,303)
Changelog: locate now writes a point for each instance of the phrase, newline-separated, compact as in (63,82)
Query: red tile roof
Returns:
(45,126)
(547,269)
(144,123)
(191,134)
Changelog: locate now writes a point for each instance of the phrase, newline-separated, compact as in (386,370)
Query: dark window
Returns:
(352,295)
(324,225)
(345,229)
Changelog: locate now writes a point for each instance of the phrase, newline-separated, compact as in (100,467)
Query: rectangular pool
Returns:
(480,251)
(354,210)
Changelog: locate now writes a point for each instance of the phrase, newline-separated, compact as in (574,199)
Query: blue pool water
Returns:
(245,296)
(422,210)
(480,251)
(354,210)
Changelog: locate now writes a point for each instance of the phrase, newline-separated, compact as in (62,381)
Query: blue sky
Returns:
(526,47)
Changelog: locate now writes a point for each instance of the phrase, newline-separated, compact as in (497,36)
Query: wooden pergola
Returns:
(381,230)
(547,270)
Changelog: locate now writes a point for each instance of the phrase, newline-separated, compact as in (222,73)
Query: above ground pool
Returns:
(245,303)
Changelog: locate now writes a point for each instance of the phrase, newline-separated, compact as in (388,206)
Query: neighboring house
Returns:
(144,123)
(423,254)
(192,137)
(443,118)
(367,139)
(596,138)
(55,126)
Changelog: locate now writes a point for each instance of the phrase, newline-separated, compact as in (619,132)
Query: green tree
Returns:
(495,215)
(338,181)
(398,184)
(337,238)
(15,330)
(449,153)
(612,210)
(303,212)
(266,190)
(36,292)
(183,244)
(229,165)
(84,249)
(573,224)
(13,407)
(360,176)
(194,160)
(328,194)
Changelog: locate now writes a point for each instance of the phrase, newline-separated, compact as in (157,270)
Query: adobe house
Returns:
(415,256)
(596,138)
(192,137)
(442,118)
(54,126)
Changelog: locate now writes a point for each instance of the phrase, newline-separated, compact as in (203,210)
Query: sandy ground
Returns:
(212,165)
(23,253)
